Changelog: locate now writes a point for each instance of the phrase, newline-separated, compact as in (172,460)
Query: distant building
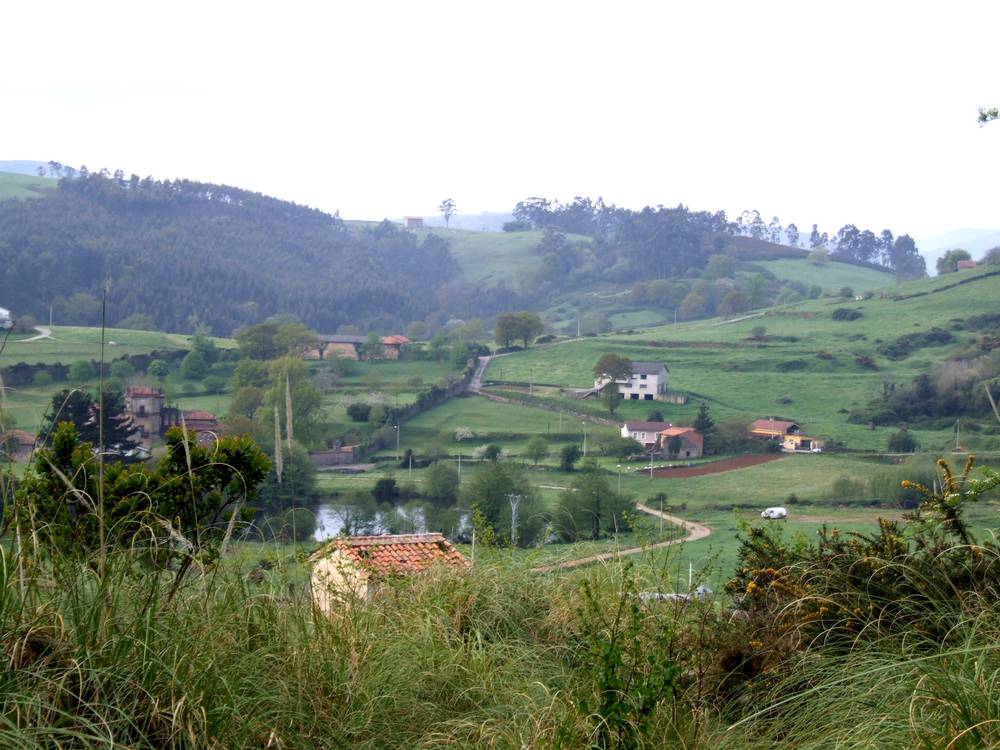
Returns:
(351,568)
(692,442)
(413,222)
(152,419)
(647,382)
(788,433)
(965,265)
(350,347)
(17,445)
(145,406)
(6,320)
(646,434)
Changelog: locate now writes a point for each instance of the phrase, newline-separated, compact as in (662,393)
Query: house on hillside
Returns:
(392,346)
(966,265)
(350,568)
(690,443)
(351,347)
(646,433)
(788,433)
(341,345)
(413,222)
(6,319)
(17,445)
(647,382)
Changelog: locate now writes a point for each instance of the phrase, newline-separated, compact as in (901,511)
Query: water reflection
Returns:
(359,517)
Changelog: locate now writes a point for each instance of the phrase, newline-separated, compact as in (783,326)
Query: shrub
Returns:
(359,412)
(845,313)
(568,457)
(42,379)
(902,442)
(194,366)
(866,362)
(122,369)
(81,371)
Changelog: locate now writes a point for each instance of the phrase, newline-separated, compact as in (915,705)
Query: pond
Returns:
(353,519)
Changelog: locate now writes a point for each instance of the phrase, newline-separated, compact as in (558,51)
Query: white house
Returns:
(646,433)
(5,320)
(647,381)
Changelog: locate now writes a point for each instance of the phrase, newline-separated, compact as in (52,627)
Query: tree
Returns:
(385,491)
(792,233)
(948,263)
(122,369)
(819,256)
(137,322)
(492,453)
(82,410)
(692,306)
(442,484)
(81,371)
(610,396)
(902,442)
(758,332)
(194,366)
(524,325)
(613,366)
(359,411)
(447,209)
(720,267)
(991,257)
(733,303)
(655,416)
(590,508)
(674,446)
(537,449)
(568,456)
(490,493)
(705,425)
(158,369)
(373,347)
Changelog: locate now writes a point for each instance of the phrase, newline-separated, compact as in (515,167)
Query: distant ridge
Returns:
(976,241)
(21,166)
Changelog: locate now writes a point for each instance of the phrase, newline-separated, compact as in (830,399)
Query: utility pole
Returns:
(515,500)
(396,428)
(584,439)
(619,479)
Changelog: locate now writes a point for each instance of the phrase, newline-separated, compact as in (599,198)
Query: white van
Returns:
(774,513)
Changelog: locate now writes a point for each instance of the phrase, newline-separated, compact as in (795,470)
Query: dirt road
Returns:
(695,531)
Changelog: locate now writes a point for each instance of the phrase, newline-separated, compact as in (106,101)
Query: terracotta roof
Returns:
(23,437)
(141,391)
(671,431)
(966,264)
(773,424)
(395,554)
(395,339)
(199,415)
(646,426)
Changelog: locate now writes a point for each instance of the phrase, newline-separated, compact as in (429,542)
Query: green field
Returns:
(830,276)
(742,378)
(23,186)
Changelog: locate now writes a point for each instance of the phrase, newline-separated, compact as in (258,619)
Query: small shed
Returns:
(350,568)
(413,222)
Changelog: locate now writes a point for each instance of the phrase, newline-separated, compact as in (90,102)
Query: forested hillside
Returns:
(185,253)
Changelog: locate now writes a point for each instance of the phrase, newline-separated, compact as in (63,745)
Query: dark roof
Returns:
(648,368)
(646,426)
(393,554)
(338,339)
(774,424)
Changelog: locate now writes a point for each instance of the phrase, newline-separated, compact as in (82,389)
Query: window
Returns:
(643,376)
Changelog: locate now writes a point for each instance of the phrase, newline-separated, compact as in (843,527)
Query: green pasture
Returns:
(831,276)
(23,186)
(781,375)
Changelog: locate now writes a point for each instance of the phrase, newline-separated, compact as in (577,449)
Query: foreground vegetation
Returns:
(878,640)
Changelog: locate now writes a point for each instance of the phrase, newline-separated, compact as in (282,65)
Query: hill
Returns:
(810,366)
(23,186)
(976,241)
(22,166)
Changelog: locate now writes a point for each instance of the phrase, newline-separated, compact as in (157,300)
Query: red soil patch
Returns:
(717,467)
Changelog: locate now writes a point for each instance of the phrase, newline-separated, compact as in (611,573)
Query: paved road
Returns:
(695,531)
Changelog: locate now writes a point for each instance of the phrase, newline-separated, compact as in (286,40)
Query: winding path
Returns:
(43,333)
(695,531)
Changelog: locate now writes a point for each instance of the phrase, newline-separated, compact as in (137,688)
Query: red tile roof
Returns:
(671,431)
(395,554)
(966,264)
(198,414)
(141,391)
(395,340)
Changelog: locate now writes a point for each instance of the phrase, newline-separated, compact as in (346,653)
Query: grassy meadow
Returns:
(23,185)
(739,377)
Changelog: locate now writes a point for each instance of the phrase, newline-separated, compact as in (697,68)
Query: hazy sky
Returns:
(834,112)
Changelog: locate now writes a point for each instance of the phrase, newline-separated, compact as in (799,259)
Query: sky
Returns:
(860,112)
